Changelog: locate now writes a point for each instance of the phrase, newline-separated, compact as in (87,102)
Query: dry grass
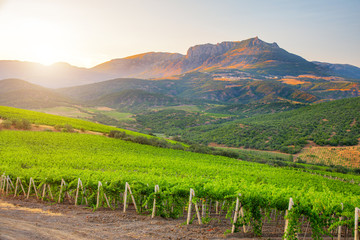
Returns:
(344,156)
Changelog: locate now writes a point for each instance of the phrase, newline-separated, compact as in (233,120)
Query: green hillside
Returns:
(333,123)
(19,93)
(11,113)
(132,100)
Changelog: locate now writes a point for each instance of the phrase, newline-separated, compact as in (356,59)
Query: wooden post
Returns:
(132,197)
(32,181)
(189,207)
(356,231)
(125,196)
(44,191)
(61,188)
(192,194)
(107,200)
(22,187)
(16,186)
(236,214)
(241,211)
(77,192)
(1,183)
(98,195)
(7,185)
(339,229)
(217,208)
(154,205)
(198,213)
(49,189)
(291,203)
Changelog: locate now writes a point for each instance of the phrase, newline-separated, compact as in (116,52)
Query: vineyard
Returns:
(53,120)
(111,171)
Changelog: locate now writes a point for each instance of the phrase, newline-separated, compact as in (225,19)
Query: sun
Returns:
(45,42)
(46,54)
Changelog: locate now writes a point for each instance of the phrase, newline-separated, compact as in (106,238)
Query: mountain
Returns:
(53,76)
(342,70)
(21,94)
(252,58)
(140,66)
(252,55)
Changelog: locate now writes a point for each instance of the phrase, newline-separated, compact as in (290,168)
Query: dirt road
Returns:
(31,219)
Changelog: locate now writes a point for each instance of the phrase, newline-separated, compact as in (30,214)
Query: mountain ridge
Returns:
(251,56)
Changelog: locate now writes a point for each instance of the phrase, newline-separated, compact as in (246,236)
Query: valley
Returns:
(243,121)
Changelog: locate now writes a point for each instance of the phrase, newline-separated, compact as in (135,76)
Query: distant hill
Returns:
(342,70)
(252,57)
(53,76)
(199,87)
(141,66)
(132,100)
(335,123)
(21,94)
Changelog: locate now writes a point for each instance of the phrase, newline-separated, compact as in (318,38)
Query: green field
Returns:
(52,120)
(50,156)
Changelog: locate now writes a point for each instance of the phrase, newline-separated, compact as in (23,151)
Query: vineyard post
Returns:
(291,203)
(61,188)
(77,192)
(44,191)
(7,185)
(1,183)
(203,207)
(32,181)
(197,212)
(107,200)
(236,213)
(217,207)
(356,234)
(11,183)
(16,186)
(241,211)
(132,197)
(154,206)
(339,231)
(98,194)
(192,193)
(49,189)
(18,182)
(83,191)
(125,196)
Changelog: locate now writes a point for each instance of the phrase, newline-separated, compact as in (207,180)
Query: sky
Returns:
(87,32)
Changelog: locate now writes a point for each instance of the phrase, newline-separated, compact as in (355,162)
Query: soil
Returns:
(33,219)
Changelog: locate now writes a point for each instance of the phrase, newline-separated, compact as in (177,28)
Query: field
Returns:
(71,112)
(52,120)
(343,156)
(49,157)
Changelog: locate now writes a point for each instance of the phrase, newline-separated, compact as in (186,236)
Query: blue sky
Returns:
(88,32)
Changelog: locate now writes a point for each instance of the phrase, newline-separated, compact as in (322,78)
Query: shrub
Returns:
(58,127)
(18,124)
(68,128)
(7,124)
(26,125)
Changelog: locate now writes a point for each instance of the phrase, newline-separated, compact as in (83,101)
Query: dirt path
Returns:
(31,219)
